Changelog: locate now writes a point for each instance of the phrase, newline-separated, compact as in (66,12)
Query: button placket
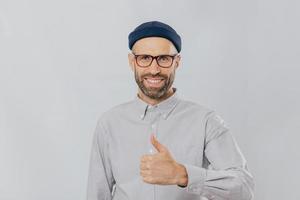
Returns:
(154,130)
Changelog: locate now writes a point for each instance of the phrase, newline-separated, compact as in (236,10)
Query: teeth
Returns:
(153,80)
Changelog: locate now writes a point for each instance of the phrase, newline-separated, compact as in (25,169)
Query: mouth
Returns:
(154,82)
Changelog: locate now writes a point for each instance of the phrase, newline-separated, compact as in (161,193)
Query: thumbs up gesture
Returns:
(161,168)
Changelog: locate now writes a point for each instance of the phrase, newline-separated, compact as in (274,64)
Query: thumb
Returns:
(158,146)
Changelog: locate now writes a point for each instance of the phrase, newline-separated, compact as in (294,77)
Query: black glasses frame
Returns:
(154,57)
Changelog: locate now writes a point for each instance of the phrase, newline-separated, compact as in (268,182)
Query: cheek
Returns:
(168,73)
(139,74)
(142,72)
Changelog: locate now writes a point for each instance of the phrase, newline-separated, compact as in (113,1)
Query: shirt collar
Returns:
(164,107)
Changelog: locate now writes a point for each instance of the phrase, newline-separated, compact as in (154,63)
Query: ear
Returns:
(177,61)
(131,61)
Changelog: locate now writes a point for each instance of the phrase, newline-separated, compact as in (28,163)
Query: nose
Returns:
(154,67)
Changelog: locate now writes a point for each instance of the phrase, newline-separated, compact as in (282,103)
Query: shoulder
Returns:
(205,113)
(194,108)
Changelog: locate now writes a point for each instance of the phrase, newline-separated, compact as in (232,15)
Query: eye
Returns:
(164,58)
(144,58)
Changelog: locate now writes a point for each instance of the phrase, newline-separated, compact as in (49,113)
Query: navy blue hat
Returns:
(154,29)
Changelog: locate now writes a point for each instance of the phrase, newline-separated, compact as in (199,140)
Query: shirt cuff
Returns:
(196,178)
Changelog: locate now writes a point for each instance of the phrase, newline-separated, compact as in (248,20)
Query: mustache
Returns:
(151,76)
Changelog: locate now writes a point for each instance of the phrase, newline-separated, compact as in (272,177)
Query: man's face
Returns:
(154,81)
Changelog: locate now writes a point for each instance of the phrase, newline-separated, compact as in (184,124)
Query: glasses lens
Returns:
(143,60)
(162,60)
(165,60)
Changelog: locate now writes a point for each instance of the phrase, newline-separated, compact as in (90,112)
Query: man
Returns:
(159,146)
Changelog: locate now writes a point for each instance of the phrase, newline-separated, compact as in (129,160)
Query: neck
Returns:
(151,101)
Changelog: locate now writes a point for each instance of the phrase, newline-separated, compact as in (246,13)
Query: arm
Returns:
(100,178)
(228,177)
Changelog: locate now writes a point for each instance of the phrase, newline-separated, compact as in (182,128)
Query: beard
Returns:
(151,92)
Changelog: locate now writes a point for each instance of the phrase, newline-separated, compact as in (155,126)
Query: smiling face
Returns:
(154,82)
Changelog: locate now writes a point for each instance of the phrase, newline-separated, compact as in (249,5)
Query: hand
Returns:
(161,168)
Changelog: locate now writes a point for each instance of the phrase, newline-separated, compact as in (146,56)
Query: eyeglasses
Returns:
(145,60)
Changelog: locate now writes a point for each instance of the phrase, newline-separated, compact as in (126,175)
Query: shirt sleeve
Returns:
(227,176)
(100,177)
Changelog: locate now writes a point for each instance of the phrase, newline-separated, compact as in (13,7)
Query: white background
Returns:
(64,62)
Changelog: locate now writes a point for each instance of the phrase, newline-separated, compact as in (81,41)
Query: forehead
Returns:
(154,46)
